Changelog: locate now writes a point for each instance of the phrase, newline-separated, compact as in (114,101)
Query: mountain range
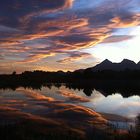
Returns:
(108,65)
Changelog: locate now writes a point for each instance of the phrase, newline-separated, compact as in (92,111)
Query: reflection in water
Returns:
(115,104)
(50,109)
(62,110)
(33,94)
(112,104)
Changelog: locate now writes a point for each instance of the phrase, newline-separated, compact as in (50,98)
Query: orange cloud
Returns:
(55,5)
(35,58)
(9,43)
(117,38)
(40,29)
(75,56)
(125,23)
(64,24)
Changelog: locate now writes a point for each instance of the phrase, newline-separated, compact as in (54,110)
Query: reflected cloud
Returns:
(116,104)
(72,97)
(34,94)
(49,114)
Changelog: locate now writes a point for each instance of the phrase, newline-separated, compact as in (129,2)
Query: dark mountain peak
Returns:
(108,65)
(127,61)
(103,65)
(138,63)
(106,61)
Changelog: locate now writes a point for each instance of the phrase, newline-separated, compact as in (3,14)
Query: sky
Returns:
(52,35)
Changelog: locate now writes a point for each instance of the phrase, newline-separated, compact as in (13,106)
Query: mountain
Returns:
(138,65)
(127,64)
(108,65)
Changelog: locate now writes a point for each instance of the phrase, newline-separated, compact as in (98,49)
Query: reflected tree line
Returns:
(107,82)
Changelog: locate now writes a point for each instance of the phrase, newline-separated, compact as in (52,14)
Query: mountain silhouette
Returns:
(108,65)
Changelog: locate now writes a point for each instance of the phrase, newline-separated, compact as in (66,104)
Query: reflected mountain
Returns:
(125,88)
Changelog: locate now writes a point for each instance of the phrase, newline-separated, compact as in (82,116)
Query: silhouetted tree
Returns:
(14,73)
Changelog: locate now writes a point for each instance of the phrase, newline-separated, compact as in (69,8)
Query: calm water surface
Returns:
(29,100)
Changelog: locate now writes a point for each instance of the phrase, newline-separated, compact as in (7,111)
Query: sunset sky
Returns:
(53,35)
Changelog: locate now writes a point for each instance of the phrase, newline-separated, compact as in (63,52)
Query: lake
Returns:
(26,99)
(60,109)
